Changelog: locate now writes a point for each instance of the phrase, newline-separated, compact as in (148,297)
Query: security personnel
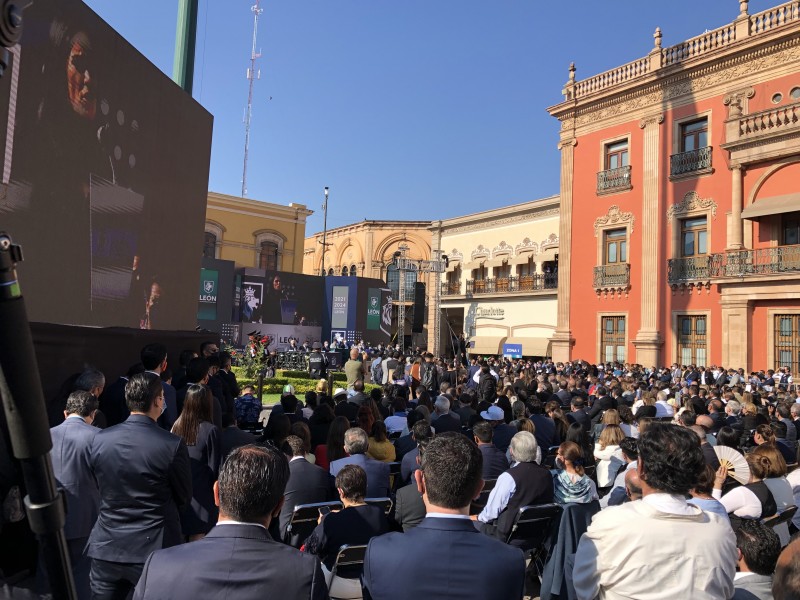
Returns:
(317,362)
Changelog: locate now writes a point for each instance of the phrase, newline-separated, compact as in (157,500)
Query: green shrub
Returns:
(298,379)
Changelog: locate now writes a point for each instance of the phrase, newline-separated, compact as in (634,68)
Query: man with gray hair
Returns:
(356,444)
(523,484)
(732,409)
(442,419)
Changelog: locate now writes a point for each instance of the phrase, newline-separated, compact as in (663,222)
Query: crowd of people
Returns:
(177,490)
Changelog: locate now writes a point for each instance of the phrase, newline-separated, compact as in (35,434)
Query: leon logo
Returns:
(208,286)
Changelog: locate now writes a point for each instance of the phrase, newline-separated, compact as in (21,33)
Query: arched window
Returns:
(210,245)
(268,256)
(353,271)
(331,273)
(344,271)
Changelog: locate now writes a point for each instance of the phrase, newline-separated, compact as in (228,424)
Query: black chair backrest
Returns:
(534,525)
(785,516)
(348,556)
(304,520)
(384,503)
(488,484)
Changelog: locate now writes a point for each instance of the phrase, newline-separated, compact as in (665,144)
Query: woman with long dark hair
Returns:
(203,439)
(333,449)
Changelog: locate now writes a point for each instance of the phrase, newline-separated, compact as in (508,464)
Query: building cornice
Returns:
(250,207)
(506,215)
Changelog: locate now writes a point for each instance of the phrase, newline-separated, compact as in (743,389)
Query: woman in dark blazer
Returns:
(203,440)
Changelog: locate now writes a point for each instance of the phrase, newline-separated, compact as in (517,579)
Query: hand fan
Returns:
(734,462)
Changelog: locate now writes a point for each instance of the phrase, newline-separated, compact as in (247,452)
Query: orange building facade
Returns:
(680,202)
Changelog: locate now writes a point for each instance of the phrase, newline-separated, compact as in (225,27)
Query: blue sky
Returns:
(407,109)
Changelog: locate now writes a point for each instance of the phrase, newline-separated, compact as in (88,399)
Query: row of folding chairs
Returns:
(305,516)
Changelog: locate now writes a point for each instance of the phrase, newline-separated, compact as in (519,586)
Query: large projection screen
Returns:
(105,175)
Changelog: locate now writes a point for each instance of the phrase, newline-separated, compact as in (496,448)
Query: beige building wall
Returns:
(240,227)
(500,283)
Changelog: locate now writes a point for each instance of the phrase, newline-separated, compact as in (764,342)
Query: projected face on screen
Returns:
(80,79)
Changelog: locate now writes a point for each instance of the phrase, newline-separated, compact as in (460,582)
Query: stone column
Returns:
(736,236)
(735,316)
(562,340)
(648,339)
(369,259)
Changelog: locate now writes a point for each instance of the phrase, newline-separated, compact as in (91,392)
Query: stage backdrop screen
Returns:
(291,304)
(105,175)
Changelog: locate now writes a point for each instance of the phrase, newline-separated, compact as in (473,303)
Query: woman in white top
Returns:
(777,483)
(751,501)
(608,455)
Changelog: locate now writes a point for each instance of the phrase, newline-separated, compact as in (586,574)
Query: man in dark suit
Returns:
(112,400)
(600,405)
(494,461)
(563,395)
(443,419)
(307,484)
(72,442)
(406,443)
(356,444)
(422,433)
(238,558)
(409,509)
(233,437)
(449,479)
(154,360)
(144,475)
(578,414)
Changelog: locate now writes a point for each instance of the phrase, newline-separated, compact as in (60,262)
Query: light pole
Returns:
(324,229)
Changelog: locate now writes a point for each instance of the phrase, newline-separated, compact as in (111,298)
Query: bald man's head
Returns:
(786,580)
(633,484)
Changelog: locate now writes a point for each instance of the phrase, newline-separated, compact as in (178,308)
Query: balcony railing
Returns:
(708,43)
(612,277)
(738,263)
(525,283)
(690,162)
(451,289)
(613,180)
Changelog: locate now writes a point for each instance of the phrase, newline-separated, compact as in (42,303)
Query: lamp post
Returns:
(324,229)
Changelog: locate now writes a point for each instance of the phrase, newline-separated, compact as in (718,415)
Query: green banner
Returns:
(207,301)
(374,309)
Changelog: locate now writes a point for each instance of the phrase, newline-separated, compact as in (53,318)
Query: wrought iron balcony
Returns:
(451,289)
(614,180)
(525,283)
(738,263)
(690,162)
(612,277)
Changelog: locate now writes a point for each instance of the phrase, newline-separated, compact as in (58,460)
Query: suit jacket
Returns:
(753,587)
(232,561)
(170,414)
(403,445)
(580,416)
(72,444)
(448,422)
(377,473)
(600,405)
(545,432)
(307,484)
(348,410)
(355,525)
(233,437)
(409,508)
(477,566)
(494,461)
(144,476)
(112,402)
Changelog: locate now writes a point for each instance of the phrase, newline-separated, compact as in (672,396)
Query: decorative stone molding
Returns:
(659,93)
(550,242)
(454,254)
(526,246)
(736,101)
(502,248)
(513,220)
(651,120)
(479,251)
(614,216)
(691,202)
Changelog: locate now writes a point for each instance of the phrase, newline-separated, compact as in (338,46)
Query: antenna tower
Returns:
(252,75)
